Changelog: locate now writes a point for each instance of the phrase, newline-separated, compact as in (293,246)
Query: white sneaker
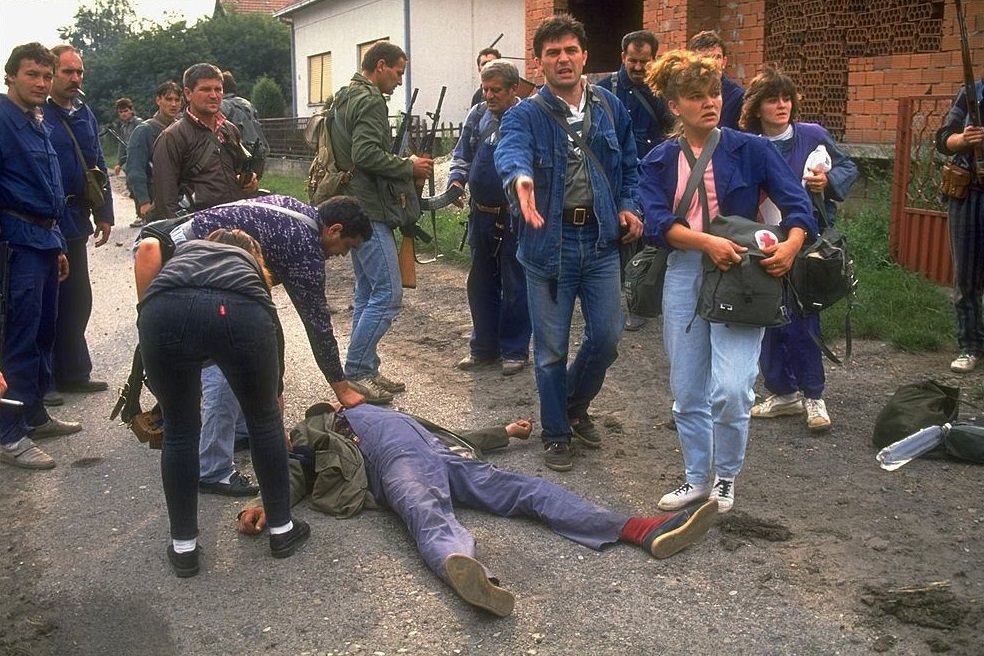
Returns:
(817,419)
(683,496)
(964,364)
(724,492)
(779,405)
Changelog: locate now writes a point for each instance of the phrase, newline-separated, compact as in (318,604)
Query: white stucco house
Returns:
(441,38)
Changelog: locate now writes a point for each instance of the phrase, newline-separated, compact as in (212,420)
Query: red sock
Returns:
(637,528)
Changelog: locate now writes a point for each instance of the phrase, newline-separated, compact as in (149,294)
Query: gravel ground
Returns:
(824,553)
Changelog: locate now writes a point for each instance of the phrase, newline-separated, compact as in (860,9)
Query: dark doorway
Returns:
(606,22)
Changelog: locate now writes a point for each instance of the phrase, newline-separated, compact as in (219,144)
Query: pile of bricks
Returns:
(812,42)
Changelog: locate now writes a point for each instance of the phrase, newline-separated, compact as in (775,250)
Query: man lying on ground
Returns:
(411,471)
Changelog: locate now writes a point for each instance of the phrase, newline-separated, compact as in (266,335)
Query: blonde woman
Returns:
(712,366)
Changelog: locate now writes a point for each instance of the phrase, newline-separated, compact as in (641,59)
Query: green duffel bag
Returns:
(966,442)
(915,406)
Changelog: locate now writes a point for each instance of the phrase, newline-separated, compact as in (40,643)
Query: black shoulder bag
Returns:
(823,274)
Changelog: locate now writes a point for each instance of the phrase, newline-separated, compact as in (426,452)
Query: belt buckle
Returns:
(580,216)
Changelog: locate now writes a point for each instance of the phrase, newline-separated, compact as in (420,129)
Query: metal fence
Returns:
(919,230)
(286,136)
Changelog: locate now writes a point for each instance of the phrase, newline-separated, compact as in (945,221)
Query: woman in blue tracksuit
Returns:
(712,366)
(791,361)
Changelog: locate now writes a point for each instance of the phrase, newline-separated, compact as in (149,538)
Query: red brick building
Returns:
(851,59)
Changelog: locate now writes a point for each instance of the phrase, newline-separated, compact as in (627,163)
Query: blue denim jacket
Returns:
(745,168)
(532,144)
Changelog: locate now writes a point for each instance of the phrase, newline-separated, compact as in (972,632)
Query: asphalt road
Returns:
(83,568)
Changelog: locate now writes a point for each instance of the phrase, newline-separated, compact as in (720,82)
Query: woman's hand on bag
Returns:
(783,254)
(723,252)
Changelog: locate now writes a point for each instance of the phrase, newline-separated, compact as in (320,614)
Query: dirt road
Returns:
(825,553)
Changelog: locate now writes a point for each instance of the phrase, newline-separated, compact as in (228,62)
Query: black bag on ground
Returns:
(644,276)
(915,406)
(745,294)
(965,441)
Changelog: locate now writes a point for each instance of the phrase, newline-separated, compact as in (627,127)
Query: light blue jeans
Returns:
(378,296)
(712,371)
(592,277)
(223,424)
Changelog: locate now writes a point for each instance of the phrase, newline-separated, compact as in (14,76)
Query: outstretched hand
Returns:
(527,202)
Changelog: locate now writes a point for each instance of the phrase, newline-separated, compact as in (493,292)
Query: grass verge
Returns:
(892,304)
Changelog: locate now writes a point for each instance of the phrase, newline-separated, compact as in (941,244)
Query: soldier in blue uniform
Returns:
(31,200)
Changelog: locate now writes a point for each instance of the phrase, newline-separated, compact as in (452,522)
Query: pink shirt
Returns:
(695,216)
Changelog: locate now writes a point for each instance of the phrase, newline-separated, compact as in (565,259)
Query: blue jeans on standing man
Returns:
(179,330)
(591,276)
(496,291)
(378,296)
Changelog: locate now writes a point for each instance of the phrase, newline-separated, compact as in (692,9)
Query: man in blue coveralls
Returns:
(411,471)
(31,201)
(496,283)
(71,365)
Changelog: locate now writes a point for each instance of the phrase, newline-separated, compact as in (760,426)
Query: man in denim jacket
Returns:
(575,217)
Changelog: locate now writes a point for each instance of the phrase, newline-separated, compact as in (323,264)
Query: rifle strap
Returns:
(539,101)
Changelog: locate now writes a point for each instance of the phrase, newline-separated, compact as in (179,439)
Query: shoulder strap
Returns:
(303,218)
(581,143)
(604,103)
(75,142)
(696,180)
(646,106)
(614,79)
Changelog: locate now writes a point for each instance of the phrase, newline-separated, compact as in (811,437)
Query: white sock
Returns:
(225,481)
(16,445)
(184,546)
(286,528)
(789,398)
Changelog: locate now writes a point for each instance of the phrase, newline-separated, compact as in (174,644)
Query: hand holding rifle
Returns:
(973,137)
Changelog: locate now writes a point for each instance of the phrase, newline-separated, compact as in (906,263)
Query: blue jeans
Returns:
(496,292)
(179,330)
(592,277)
(223,424)
(378,296)
(29,338)
(712,371)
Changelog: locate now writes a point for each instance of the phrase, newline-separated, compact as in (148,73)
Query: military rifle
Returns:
(113,133)
(970,92)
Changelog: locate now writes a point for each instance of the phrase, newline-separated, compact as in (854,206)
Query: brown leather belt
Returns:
(494,210)
(579,216)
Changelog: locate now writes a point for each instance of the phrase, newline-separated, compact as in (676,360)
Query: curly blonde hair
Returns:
(679,72)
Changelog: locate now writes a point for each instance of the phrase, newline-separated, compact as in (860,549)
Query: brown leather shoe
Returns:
(55,428)
(468,579)
(27,456)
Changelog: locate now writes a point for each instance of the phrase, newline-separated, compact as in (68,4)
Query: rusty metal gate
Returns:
(919,232)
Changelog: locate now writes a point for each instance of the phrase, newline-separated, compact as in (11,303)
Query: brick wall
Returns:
(852,59)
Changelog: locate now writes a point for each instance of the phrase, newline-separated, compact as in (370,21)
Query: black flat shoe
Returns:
(185,565)
(82,386)
(286,544)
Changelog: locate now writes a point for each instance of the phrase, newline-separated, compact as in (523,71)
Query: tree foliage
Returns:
(268,99)
(249,45)
(100,25)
